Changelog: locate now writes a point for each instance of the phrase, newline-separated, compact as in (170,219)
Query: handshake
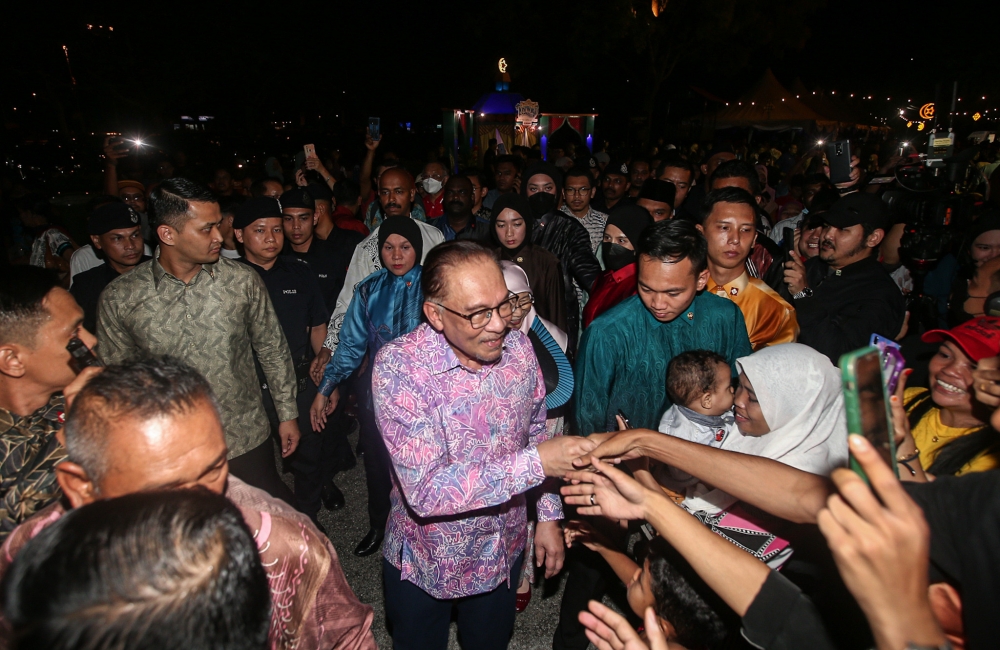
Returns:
(564,454)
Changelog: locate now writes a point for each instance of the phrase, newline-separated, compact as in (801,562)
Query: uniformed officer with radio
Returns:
(298,302)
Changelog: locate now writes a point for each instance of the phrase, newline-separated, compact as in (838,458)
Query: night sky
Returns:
(248,63)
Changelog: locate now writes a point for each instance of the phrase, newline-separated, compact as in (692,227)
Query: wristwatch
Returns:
(910,645)
(805,293)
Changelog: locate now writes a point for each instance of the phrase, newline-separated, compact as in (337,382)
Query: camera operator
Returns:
(844,295)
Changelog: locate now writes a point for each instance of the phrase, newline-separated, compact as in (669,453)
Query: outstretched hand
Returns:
(882,550)
(608,630)
(609,492)
(614,446)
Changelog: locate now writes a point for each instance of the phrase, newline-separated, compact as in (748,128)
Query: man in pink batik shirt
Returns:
(460,402)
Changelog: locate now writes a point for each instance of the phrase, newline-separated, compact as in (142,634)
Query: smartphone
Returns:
(893,362)
(621,414)
(788,240)
(838,155)
(310,150)
(80,355)
(300,160)
(882,180)
(375,127)
(867,404)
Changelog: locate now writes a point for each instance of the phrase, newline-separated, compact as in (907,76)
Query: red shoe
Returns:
(522,601)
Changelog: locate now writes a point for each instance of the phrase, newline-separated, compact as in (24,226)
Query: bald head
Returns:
(396,192)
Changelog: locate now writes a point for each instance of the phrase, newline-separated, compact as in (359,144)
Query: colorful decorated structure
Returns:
(512,120)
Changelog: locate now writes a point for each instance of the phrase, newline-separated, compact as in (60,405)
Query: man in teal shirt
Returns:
(624,353)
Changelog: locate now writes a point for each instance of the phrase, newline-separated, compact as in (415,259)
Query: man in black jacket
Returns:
(563,236)
(843,296)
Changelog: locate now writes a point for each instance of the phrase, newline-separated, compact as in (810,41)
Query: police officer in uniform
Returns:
(298,302)
(327,258)
(116,234)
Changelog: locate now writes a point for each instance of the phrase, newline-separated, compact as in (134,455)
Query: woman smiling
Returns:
(948,425)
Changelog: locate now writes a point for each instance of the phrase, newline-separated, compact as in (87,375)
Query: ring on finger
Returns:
(592,501)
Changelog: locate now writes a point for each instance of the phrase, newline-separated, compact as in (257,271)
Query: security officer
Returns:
(115,231)
(298,302)
(328,259)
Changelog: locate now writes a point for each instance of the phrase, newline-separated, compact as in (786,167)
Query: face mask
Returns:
(541,204)
(616,256)
(432,185)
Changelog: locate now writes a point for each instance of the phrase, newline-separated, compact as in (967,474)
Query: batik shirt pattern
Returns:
(464,448)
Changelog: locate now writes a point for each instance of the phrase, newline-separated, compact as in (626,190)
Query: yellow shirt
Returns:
(930,435)
(770,320)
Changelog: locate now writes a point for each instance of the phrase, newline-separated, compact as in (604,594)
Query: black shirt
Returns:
(87,288)
(963,513)
(848,306)
(328,259)
(297,299)
(781,617)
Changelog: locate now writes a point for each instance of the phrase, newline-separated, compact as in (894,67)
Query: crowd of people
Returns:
(621,370)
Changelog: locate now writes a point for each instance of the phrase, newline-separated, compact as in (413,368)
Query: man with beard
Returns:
(843,296)
(807,239)
(615,184)
(563,236)
(458,220)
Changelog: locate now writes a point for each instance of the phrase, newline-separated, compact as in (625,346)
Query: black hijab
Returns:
(404,227)
(518,204)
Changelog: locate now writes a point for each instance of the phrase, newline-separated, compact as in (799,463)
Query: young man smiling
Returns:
(729,225)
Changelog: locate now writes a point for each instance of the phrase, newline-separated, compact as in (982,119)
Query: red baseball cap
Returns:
(978,338)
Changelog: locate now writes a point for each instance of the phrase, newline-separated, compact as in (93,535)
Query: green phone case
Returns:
(852,403)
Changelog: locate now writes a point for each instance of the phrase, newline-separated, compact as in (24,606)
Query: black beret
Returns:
(298,198)
(660,191)
(262,207)
(619,167)
(112,216)
(319,192)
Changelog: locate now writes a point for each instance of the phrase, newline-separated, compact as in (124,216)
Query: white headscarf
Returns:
(517,282)
(799,392)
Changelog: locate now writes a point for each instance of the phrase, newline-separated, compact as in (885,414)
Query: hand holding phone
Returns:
(375,128)
(867,404)
(838,155)
(80,356)
(788,240)
(310,151)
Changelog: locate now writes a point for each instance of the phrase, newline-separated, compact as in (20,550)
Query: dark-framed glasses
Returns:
(481,318)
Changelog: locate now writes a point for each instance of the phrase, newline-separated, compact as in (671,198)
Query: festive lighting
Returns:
(502,64)
(909,124)
(927,111)
(976,116)
(920,127)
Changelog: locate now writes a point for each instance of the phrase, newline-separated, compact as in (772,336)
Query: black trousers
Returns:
(320,454)
(378,467)
(420,622)
(257,468)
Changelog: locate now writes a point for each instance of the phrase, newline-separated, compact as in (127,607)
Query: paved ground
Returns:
(532,629)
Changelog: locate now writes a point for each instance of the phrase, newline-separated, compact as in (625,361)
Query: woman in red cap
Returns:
(949,426)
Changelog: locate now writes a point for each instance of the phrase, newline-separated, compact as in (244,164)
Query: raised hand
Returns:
(610,493)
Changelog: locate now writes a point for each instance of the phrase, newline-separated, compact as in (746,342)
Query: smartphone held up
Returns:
(866,402)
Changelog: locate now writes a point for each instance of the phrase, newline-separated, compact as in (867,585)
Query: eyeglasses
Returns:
(573,191)
(480,319)
(523,301)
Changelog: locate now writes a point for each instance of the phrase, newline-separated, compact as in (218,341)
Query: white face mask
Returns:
(432,185)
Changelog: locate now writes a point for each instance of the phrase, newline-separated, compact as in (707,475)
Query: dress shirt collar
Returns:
(443,357)
(689,315)
(731,289)
(159,272)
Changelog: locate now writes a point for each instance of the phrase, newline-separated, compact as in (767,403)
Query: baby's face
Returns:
(722,392)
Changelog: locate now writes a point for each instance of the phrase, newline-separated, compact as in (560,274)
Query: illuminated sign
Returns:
(502,65)
(927,111)
(976,116)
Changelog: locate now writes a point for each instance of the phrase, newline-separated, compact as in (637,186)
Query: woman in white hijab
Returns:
(790,408)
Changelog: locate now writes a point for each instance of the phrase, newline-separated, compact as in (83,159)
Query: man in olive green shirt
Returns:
(213,313)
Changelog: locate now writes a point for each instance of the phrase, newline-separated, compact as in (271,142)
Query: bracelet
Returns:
(913,456)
